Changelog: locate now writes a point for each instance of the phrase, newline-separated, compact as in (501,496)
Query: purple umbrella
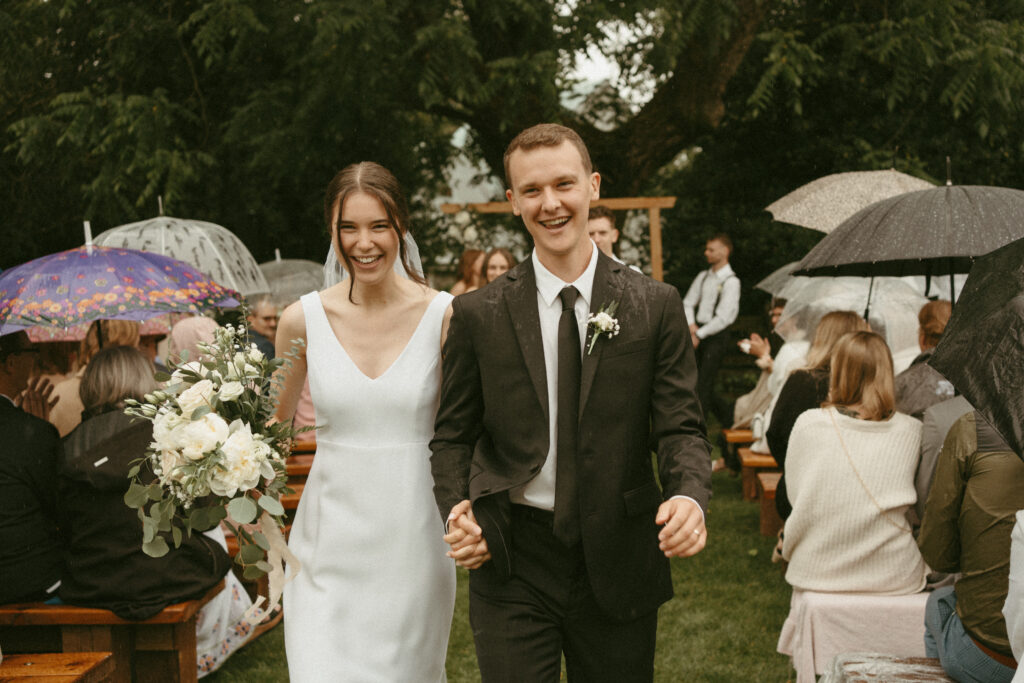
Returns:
(92,283)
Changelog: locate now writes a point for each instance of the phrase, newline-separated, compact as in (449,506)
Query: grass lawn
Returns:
(722,625)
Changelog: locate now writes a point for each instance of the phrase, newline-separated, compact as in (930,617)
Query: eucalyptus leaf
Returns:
(264,565)
(243,510)
(200,411)
(162,377)
(156,548)
(134,471)
(271,505)
(148,529)
(253,572)
(136,496)
(155,491)
(176,535)
(251,554)
(260,540)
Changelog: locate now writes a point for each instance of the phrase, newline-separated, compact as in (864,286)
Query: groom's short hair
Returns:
(546,135)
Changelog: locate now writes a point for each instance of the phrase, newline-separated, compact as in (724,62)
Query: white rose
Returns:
(199,394)
(170,461)
(201,436)
(240,468)
(230,391)
(164,427)
(255,355)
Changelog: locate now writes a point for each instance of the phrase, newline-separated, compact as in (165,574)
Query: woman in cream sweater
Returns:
(850,472)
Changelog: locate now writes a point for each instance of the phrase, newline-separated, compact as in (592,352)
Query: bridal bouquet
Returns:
(214,452)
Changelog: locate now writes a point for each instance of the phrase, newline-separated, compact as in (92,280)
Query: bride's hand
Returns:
(468,546)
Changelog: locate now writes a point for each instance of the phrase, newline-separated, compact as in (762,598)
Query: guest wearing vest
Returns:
(712,304)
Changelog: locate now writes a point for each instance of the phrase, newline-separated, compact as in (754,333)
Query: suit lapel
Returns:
(521,303)
(608,284)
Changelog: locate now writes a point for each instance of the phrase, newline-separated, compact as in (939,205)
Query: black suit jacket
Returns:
(637,394)
(30,547)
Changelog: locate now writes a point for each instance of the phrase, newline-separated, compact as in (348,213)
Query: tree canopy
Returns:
(240,112)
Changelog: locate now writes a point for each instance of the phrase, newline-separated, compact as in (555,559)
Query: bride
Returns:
(374,598)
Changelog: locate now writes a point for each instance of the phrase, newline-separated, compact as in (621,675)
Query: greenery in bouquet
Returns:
(215,450)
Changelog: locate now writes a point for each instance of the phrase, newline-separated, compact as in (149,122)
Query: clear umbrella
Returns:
(208,247)
(290,278)
(824,203)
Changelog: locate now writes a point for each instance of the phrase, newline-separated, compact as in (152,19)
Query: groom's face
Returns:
(551,191)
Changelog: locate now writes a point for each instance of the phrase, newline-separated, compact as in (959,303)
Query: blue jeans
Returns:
(945,638)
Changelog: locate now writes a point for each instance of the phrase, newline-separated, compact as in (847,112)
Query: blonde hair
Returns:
(831,327)
(933,317)
(114,374)
(104,333)
(861,375)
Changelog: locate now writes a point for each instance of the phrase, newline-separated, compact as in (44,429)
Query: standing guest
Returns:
(67,413)
(541,451)
(805,390)
(850,471)
(30,559)
(105,564)
(712,304)
(470,267)
(497,262)
(262,319)
(921,386)
(602,230)
(970,513)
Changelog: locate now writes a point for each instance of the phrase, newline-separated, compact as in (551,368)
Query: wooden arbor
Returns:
(653,205)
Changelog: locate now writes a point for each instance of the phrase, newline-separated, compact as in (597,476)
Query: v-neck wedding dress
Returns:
(374,598)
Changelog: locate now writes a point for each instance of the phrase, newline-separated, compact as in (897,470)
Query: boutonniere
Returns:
(603,322)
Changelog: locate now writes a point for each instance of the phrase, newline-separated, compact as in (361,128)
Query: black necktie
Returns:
(567,518)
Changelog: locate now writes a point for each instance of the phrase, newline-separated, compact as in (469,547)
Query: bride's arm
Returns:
(292,326)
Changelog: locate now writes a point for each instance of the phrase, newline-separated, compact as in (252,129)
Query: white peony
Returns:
(199,394)
(170,461)
(241,467)
(199,437)
(230,391)
(164,427)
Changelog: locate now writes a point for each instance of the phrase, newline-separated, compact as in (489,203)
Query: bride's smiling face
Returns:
(365,234)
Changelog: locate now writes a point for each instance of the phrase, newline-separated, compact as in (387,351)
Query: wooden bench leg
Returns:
(748,477)
(166,654)
(117,640)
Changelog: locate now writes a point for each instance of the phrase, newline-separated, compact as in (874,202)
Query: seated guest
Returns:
(806,389)
(187,334)
(105,564)
(937,421)
(850,470)
(759,398)
(497,262)
(262,321)
(921,385)
(30,560)
(970,513)
(67,413)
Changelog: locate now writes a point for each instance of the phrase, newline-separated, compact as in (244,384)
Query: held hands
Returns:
(683,533)
(468,545)
(35,399)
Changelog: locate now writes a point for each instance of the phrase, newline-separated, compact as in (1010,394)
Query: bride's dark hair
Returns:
(373,179)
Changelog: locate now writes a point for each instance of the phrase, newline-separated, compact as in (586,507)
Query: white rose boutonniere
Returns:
(603,322)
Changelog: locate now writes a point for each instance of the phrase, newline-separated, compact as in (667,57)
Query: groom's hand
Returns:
(468,546)
(683,533)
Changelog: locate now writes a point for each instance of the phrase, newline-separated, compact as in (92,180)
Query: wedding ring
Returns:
(697,532)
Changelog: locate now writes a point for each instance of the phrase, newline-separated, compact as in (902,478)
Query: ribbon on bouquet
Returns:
(276,557)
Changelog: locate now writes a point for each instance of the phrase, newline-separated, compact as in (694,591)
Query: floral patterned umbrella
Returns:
(161,324)
(80,285)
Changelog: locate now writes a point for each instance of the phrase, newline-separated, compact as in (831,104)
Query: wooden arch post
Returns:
(653,206)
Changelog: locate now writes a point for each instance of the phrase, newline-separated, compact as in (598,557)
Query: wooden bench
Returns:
(162,648)
(750,464)
(739,436)
(58,667)
(875,668)
(304,447)
(767,482)
(297,467)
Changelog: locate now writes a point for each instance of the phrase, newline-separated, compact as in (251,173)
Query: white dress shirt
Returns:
(540,491)
(710,286)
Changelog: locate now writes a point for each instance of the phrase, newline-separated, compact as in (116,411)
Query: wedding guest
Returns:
(67,412)
(58,360)
(105,564)
(262,319)
(850,471)
(602,230)
(1013,609)
(938,420)
(806,389)
(968,519)
(921,386)
(187,334)
(470,266)
(712,303)
(30,559)
(497,262)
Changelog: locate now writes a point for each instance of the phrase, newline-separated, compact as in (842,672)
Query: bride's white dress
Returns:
(374,598)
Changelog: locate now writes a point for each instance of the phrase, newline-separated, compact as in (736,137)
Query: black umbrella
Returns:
(982,349)
(929,232)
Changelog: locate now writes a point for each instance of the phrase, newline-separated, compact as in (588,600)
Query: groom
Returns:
(542,449)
